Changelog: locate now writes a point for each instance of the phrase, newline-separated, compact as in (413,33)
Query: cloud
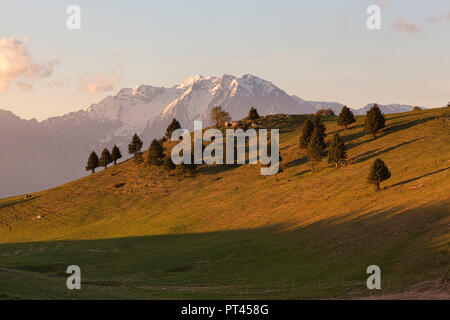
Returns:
(438,18)
(24,87)
(403,26)
(59,84)
(99,83)
(16,63)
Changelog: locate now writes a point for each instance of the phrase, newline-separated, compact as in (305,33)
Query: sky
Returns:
(319,50)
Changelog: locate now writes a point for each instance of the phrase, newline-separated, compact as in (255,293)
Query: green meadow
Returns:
(229,233)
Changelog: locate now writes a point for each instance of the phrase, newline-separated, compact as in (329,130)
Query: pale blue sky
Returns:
(318,50)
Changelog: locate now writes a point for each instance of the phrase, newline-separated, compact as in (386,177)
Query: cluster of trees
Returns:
(155,155)
(106,158)
(312,141)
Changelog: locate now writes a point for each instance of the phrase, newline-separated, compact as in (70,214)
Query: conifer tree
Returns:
(92,162)
(186,168)
(219,116)
(253,114)
(374,121)
(314,150)
(336,152)
(135,147)
(115,154)
(155,153)
(307,130)
(168,164)
(346,117)
(105,158)
(174,125)
(378,173)
(321,129)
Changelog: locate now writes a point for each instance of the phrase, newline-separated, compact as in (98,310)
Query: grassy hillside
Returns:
(229,232)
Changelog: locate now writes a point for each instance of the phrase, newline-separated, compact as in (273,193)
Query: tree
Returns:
(155,153)
(321,129)
(374,121)
(378,173)
(135,147)
(219,116)
(105,158)
(314,150)
(336,152)
(325,112)
(253,114)
(186,168)
(168,164)
(115,154)
(307,130)
(346,117)
(92,162)
(174,125)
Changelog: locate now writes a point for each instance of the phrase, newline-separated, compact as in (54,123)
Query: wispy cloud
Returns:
(99,83)
(439,18)
(59,84)
(16,63)
(403,26)
(24,86)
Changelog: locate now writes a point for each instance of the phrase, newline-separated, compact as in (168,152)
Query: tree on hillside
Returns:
(378,173)
(219,116)
(115,154)
(374,121)
(155,154)
(184,169)
(336,152)
(168,164)
(105,158)
(325,112)
(174,125)
(135,147)
(321,129)
(253,114)
(346,117)
(314,150)
(92,162)
(307,130)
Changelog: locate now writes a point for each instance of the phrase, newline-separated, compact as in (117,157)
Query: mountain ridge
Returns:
(59,146)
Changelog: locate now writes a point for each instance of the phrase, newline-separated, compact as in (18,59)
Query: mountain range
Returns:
(38,155)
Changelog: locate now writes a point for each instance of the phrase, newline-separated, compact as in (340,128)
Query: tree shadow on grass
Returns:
(375,153)
(298,174)
(213,169)
(417,178)
(401,116)
(406,125)
(343,130)
(386,131)
(295,162)
(13,203)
